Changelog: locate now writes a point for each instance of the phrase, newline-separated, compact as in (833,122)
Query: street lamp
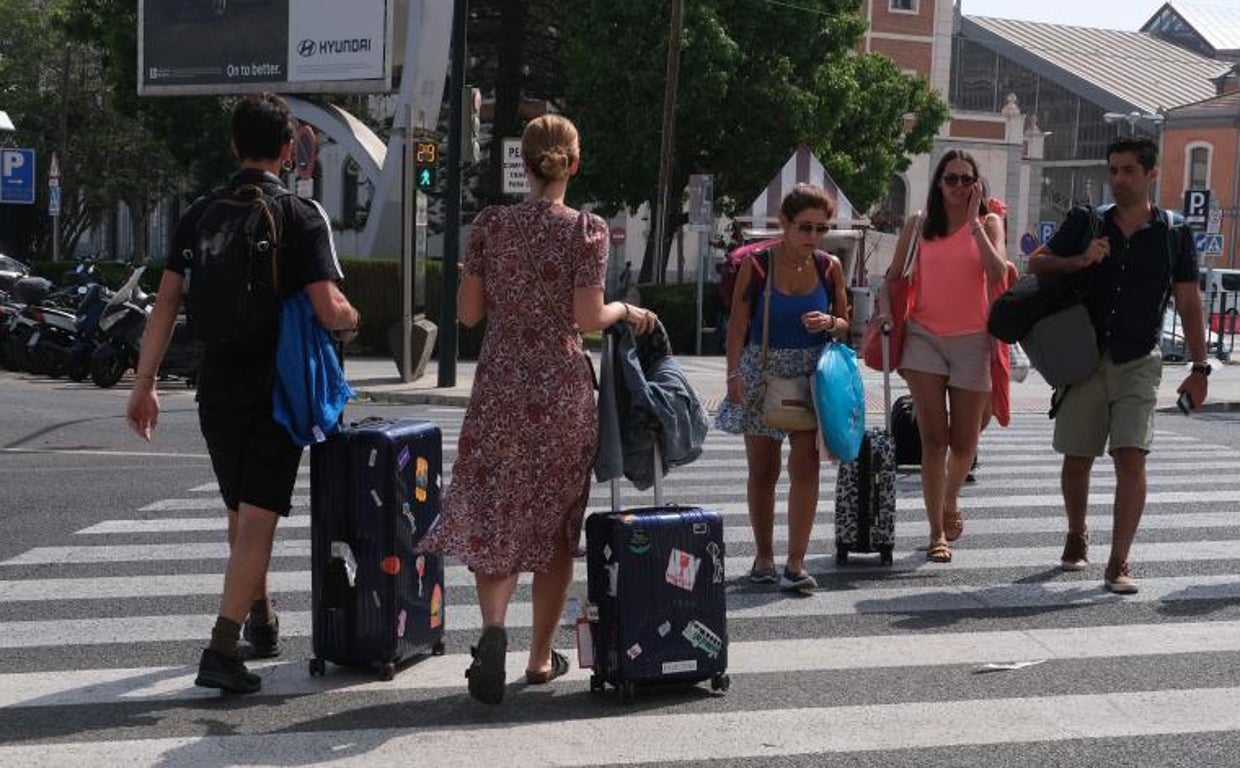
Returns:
(1132,118)
(5,123)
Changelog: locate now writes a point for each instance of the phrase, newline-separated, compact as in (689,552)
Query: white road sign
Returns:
(515,182)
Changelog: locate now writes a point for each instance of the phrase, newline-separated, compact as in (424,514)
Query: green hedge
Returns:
(113,274)
(675,305)
(374,287)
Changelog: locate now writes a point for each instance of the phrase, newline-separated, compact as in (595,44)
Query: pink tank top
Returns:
(951,286)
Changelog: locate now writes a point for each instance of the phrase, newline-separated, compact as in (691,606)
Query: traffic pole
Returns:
(452,225)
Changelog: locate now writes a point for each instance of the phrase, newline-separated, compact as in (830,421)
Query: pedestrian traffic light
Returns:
(471,125)
(425,165)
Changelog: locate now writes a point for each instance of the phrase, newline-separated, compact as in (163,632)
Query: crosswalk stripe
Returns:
(741,606)
(1158,464)
(298,581)
(664,738)
(732,533)
(96,687)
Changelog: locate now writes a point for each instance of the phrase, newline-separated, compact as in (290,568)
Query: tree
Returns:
(514,47)
(757,80)
(46,87)
(145,148)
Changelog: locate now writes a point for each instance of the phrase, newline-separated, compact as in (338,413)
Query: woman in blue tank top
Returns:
(808,305)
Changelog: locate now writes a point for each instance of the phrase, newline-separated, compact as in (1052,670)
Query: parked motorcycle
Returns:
(120,339)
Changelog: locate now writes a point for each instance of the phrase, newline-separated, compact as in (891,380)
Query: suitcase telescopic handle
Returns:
(886,345)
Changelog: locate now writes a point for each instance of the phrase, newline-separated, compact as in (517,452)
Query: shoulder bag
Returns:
(895,301)
(787,403)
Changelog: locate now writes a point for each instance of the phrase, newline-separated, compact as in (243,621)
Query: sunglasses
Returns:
(956,180)
(807,227)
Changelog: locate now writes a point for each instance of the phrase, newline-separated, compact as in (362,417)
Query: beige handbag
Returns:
(787,404)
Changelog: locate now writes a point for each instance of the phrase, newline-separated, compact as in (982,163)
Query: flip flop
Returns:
(486,673)
(559,668)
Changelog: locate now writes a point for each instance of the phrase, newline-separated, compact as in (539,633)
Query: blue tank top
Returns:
(787,330)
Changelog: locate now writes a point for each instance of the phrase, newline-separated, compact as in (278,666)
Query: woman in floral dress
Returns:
(520,484)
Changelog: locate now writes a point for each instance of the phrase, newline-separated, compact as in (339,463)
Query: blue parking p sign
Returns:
(1046,230)
(17,176)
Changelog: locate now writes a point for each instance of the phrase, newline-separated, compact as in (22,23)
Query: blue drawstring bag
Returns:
(310,391)
(839,399)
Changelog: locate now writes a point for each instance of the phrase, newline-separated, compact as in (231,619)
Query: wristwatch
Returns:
(1202,368)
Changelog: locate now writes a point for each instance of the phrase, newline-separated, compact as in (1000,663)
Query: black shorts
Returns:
(254,459)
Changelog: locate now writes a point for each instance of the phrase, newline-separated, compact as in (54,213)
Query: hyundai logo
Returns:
(306,48)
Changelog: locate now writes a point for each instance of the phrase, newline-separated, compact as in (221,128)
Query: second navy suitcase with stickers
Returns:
(374,493)
(657,610)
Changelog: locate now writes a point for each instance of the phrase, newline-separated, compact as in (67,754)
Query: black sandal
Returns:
(487,672)
(559,668)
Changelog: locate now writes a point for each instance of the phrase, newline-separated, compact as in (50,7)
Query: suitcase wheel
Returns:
(387,671)
(437,649)
(720,682)
(597,684)
(628,692)
(885,556)
(317,667)
(841,554)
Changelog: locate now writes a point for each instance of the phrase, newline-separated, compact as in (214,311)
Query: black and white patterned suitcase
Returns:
(865,491)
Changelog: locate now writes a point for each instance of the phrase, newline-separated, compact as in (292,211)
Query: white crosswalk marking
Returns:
(142,583)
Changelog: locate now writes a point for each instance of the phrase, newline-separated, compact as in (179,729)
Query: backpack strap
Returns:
(269,196)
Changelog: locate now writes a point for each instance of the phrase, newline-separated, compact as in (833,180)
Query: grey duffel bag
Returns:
(1063,346)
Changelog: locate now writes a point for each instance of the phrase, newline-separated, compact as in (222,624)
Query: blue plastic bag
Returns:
(839,399)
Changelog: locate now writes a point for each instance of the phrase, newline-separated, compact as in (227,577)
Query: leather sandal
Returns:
(559,668)
(939,552)
(486,673)
(953,525)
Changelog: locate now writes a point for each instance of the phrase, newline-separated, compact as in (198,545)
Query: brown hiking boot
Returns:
(1075,552)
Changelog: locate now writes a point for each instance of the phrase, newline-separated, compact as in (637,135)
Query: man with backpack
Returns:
(237,253)
(1136,260)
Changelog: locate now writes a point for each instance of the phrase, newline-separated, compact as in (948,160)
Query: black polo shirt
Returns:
(1130,288)
(244,380)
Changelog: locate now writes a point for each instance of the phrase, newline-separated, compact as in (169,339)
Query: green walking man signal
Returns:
(426,165)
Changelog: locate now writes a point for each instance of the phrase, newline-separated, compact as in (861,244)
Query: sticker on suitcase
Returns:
(701,637)
(639,542)
(677,667)
(713,550)
(436,606)
(421,479)
(682,569)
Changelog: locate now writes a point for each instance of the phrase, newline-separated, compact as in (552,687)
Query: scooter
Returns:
(120,339)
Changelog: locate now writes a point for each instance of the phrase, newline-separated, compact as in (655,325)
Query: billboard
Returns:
(194,47)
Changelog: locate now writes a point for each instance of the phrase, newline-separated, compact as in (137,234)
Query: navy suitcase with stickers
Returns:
(657,610)
(374,492)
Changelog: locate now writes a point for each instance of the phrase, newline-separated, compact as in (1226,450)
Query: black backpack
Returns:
(233,296)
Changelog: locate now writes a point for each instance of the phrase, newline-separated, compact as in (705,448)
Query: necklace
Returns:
(797,267)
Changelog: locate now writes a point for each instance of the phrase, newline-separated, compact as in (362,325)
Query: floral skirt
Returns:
(745,417)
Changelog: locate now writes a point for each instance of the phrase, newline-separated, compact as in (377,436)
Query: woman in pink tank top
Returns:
(946,355)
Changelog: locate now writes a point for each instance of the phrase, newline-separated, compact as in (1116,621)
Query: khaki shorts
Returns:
(1116,403)
(964,360)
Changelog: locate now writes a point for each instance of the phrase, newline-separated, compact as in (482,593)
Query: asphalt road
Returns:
(109,573)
